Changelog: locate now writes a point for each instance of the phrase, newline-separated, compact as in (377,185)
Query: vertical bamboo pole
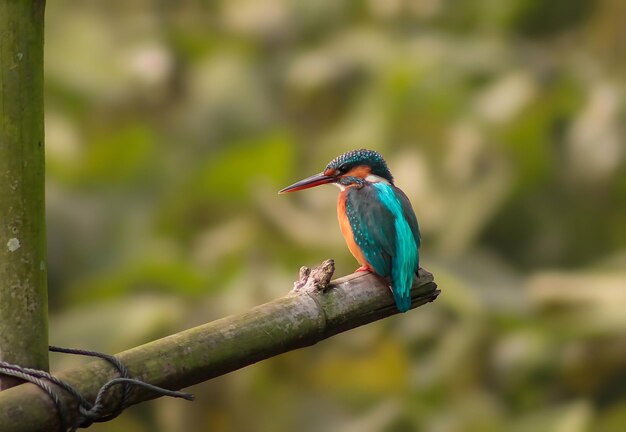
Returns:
(23,287)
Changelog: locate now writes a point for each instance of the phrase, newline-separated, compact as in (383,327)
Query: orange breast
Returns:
(346,229)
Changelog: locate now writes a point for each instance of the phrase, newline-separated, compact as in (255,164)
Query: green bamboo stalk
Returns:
(312,313)
(23,287)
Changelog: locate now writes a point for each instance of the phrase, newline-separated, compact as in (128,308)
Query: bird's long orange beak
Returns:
(309,182)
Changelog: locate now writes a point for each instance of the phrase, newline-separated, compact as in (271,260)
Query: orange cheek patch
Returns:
(330,172)
(360,171)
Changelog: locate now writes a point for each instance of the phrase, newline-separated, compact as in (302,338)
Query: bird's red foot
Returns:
(363,268)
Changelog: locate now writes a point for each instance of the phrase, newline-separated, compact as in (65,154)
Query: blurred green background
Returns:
(170,126)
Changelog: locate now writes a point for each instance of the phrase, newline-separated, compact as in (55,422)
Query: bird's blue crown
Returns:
(354,158)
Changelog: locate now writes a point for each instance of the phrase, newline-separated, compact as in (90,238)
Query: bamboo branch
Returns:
(23,288)
(315,310)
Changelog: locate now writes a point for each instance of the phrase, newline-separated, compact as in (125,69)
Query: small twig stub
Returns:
(316,279)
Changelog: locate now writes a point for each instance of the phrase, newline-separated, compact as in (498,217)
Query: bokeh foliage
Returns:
(171,125)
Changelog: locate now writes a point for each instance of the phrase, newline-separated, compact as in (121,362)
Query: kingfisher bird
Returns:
(376,218)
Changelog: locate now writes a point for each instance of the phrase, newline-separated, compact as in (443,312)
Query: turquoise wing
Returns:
(387,235)
(372,228)
(409,215)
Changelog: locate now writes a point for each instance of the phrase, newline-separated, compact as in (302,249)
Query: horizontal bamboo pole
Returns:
(315,310)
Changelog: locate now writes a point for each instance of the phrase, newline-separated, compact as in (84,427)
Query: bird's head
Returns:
(353,167)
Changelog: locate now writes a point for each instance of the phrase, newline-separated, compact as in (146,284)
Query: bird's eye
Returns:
(343,168)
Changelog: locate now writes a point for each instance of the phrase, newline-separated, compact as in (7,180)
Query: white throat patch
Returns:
(376,179)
